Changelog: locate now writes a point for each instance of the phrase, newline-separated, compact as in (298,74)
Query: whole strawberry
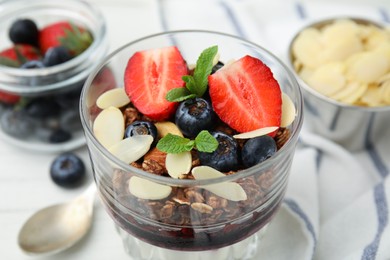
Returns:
(9,98)
(18,55)
(76,39)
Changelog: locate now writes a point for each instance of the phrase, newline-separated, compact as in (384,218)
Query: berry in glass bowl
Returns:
(46,54)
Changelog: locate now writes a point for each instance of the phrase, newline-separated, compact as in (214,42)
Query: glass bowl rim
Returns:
(187,182)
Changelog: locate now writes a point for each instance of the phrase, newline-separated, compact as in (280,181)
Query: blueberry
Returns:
(217,67)
(59,136)
(194,115)
(71,98)
(67,170)
(33,64)
(55,56)
(42,108)
(24,31)
(257,150)
(16,123)
(141,128)
(225,158)
(70,120)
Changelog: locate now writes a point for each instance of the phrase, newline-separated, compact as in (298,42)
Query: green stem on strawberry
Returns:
(196,84)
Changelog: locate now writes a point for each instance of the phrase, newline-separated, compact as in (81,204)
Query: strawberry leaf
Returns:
(76,40)
(205,142)
(9,62)
(179,94)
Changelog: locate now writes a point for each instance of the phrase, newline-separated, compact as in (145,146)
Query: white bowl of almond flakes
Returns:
(343,67)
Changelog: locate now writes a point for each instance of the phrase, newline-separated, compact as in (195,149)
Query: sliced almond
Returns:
(148,190)
(178,163)
(132,148)
(206,172)
(116,97)
(167,127)
(256,133)
(216,58)
(288,111)
(109,127)
(227,190)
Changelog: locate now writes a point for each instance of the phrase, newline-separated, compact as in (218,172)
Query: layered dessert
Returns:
(196,138)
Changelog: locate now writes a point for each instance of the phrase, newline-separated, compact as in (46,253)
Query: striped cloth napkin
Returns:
(336,205)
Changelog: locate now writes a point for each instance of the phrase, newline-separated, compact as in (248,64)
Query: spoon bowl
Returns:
(58,227)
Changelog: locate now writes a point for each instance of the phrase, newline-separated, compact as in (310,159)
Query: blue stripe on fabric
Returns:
(300,10)
(335,120)
(371,250)
(163,20)
(161,12)
(372,152)
(319,157)
(384,14)
(236,24)
(297,210)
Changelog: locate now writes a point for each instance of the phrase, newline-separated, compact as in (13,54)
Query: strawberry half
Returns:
(150,75)
(245,95)
(18,54)
(75,38)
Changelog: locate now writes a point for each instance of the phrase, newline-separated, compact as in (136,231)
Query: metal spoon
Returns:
(56,228)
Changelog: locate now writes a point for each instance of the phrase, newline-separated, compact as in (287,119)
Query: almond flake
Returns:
(109,127)
(132,148)
(256,133)
(167,127)
(148,190)
(227,190)
(288,111)
(178,164)
(116,97)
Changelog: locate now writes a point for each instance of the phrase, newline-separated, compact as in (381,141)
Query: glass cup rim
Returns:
(57,69)
(319,23)
(187,182)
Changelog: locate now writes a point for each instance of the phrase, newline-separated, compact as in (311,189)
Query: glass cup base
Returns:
(139,250)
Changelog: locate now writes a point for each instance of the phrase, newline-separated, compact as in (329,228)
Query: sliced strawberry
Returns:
(75,38)
(150,75)
(9,98)
(245,95)
(18,54)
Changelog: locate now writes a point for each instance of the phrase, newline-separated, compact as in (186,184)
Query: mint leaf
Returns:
(175,144)
(203,68)
(179,94)
(205,142)
(190,84)
(196,85)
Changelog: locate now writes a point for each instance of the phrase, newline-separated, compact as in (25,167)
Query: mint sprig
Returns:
(196,84)
(204,142)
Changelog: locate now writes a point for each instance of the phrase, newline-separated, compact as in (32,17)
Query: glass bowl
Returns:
(170,228)
(61,83)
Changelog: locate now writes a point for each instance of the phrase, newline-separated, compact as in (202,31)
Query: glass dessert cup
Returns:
(171,227)
(61,82)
